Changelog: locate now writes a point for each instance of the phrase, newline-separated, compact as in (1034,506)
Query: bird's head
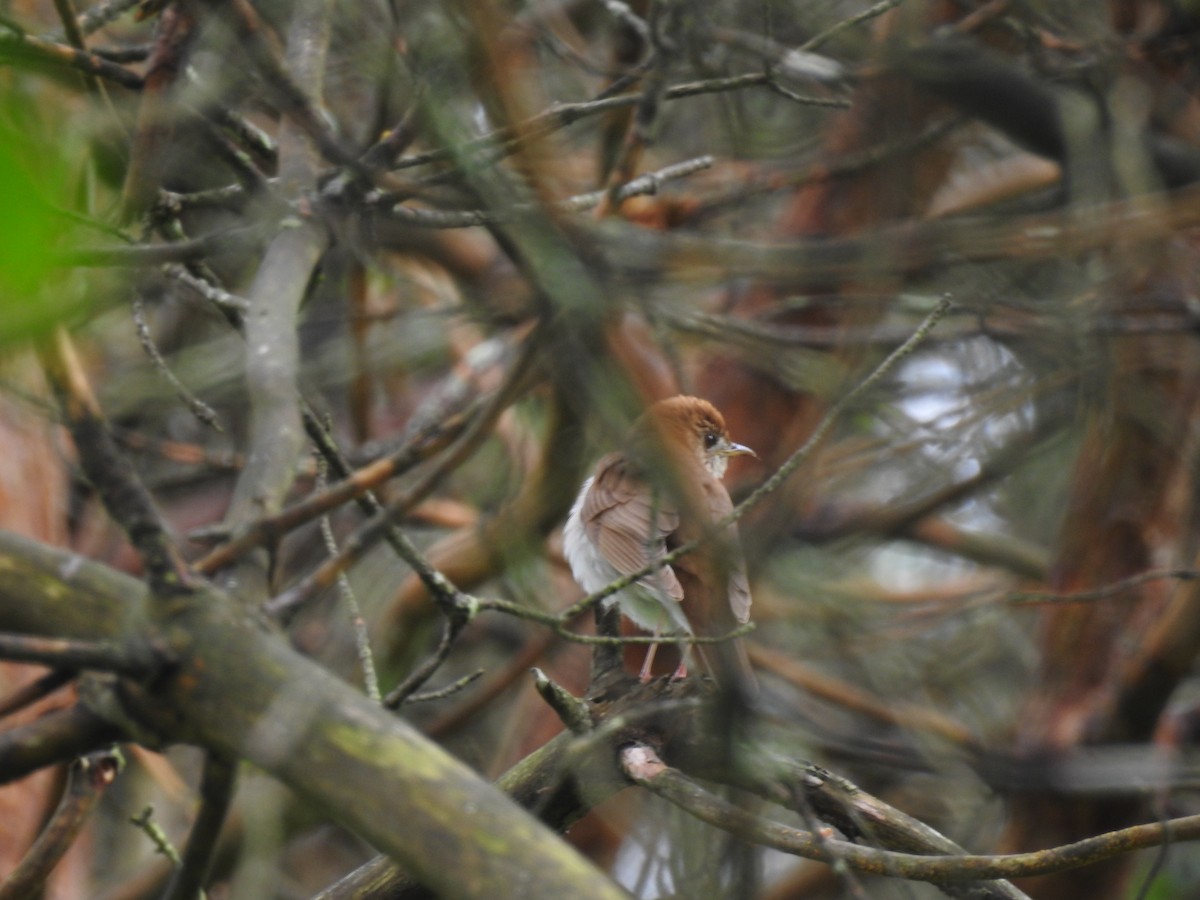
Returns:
(691,428)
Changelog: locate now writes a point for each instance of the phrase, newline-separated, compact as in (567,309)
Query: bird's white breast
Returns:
(591,570)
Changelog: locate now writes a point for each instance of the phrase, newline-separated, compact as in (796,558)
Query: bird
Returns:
(661,490)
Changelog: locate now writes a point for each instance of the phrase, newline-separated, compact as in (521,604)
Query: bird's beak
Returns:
(732,449)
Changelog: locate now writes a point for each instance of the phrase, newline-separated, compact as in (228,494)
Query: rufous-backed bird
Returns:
(661,490)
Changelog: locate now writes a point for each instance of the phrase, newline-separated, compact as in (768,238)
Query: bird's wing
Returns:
(629,522)
(732,562)
(739,590)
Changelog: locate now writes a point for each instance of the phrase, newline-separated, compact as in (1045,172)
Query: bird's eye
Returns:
(710,439)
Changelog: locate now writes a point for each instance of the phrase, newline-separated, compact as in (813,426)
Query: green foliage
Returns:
(32,174)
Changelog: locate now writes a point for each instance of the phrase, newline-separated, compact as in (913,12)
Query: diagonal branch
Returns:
(276,438)
(242,693)
(216,793)
(110,471)
(89,777)
(54,738)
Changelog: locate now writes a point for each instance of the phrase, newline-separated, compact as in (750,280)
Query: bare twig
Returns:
(89,777)
(834,30)
(497,682)
(642,765)
(357,484)
(17,46)
(798,63)
(666,20)
(216,793)
(564,114)
(403,692)
(362,638)
(73,655)
(195,249)
(1104,592)
(574,712)
(162,844)
(219,297)
(66,15)
(110,471)
(650,183)
(440,589)
(448,691)
(198,407)
(100,14)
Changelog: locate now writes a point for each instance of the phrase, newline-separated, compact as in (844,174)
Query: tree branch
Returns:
(54,738)
(241,693)
(87,780)
(646,769)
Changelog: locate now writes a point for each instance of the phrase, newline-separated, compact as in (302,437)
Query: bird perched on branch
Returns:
(661,490)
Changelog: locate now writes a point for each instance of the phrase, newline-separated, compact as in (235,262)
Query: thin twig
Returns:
(403,692)
(216,794)
(17,45)
(564,114)
(498,681)
(89,777)
(65,653)
(448,691)
(644,768)
(71,31)
(198,248)
(198,407)
(848,164)
(145,822)
(215,295)
(110,471)
(1023,598)
(624,14)
(650,183)
(362,638)
(833,31)
(352,485)
(356,546)
(831,416)
(96,17)
(665,18)
(797,63)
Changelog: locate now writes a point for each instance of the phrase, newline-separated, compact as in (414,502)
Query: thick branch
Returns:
(54,738)
(241,693)
(272,344)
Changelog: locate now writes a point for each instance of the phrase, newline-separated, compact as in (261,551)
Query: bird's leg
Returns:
(648,662)
(680,673)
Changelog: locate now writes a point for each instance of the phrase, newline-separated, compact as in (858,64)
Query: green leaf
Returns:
(32,174)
